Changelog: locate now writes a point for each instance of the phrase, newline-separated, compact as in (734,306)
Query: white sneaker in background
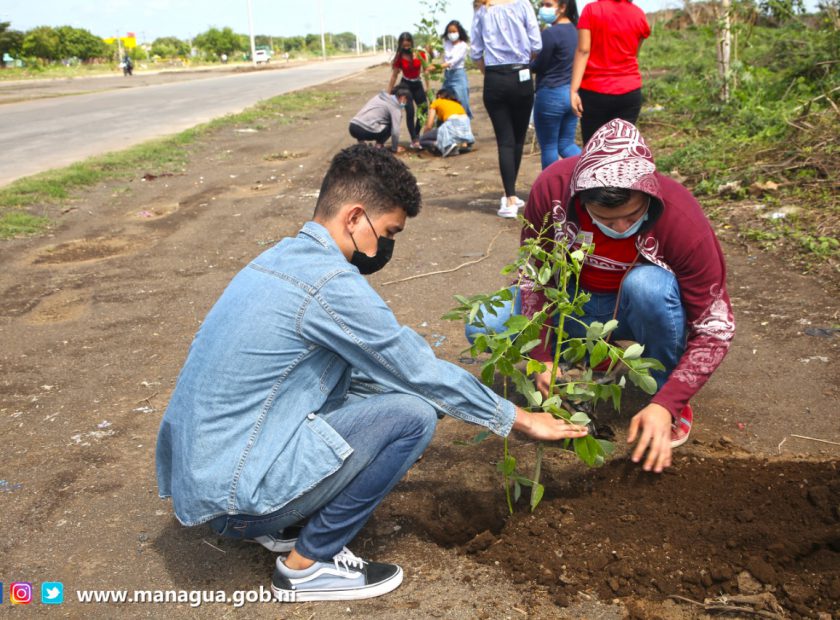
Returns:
(506,209)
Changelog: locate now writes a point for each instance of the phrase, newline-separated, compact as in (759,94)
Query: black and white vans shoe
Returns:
(346,578)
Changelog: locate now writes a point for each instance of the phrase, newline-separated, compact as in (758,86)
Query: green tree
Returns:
(345,41)
(293,44)
(170,47)
(782,11)
(216,42)
(11,41)
(43,43)
(80,43)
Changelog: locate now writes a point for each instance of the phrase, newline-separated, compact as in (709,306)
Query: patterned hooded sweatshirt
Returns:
(677,237)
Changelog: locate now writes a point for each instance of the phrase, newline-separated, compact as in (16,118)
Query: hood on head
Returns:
(616,156)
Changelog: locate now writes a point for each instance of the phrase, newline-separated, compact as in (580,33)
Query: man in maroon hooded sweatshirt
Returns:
(656,265)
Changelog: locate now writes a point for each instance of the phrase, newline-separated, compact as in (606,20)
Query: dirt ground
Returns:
(96,318)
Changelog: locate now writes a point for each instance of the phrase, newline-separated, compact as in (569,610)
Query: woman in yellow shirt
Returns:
(454,130)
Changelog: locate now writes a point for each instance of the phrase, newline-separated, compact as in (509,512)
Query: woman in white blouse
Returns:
(455,48)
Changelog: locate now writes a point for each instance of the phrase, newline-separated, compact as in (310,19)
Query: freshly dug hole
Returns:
(691,531)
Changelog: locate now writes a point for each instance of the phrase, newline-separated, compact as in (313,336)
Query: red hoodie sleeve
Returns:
(701,273)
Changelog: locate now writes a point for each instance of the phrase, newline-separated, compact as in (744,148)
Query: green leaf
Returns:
(545,274)
(577,255)
(453,315)
(607,447)
(508,465)
(535,398)
(473,312)
(653,363)
(517,322)
(579,417)
(517,491)
(599,353)
(504,367)
(488,371)
(594,330)
(589,450)
(534,366)
(609,326)
(648,384)
(536,495)
(529,345)
(552,403)
(634,351)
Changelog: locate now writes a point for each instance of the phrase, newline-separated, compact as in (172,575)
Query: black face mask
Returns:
(371,264)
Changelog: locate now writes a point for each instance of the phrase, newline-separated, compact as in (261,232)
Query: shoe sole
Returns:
(507,216)
(276,546)
(677,443)
(350,594)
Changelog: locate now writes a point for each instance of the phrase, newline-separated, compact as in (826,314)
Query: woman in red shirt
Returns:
(409,61)
(606,82)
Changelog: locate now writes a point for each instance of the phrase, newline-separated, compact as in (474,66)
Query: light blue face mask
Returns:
(609,232)
(548,15)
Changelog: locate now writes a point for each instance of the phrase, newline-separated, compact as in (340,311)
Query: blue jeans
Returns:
(388,433)
(555,124)
(650,312)
(456,81)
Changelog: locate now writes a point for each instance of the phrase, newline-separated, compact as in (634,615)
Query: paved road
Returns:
(48,133)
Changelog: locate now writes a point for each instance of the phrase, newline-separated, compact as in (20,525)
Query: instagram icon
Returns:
(20,593)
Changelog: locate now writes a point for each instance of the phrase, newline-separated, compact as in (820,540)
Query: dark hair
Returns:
(445,93)
(609,197)
(404,36)
(571,10)
(462,34)
(401,91)
(371,176)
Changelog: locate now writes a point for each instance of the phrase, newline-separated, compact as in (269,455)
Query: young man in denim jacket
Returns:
(265,436)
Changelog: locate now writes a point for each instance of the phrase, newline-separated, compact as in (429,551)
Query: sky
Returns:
(184,19)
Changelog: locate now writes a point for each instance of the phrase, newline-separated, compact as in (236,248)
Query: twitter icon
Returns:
(52,593)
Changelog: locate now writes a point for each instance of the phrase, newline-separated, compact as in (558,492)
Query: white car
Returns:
(261,56)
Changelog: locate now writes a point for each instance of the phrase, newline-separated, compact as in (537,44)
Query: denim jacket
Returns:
(242,432)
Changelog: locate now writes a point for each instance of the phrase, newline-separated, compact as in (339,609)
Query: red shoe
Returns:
(681,427)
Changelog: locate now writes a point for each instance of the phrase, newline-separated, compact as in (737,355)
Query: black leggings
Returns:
(599,109)
(362,135)
(418,94)
(508,102)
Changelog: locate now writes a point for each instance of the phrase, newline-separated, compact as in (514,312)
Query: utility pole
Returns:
(724,49)
(251,33)
(323,41)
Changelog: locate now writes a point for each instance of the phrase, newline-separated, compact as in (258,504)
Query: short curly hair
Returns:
(371,176)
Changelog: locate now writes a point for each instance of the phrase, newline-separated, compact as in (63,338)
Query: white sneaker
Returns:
(508,210)
(346,578)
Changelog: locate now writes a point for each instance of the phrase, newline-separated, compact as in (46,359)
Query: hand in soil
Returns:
(653,427)
(545,427)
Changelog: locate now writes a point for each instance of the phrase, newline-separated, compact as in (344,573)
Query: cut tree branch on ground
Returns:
(440,271)
(727,609)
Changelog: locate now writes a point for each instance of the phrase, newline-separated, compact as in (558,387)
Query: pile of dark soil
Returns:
(695,531)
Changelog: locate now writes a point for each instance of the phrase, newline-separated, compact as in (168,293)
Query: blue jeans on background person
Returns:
(388,433)
(456,81)
(650,312)
(555,124)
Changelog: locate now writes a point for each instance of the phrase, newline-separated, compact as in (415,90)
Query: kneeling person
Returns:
(266,437)
(454,132)
(380,118)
